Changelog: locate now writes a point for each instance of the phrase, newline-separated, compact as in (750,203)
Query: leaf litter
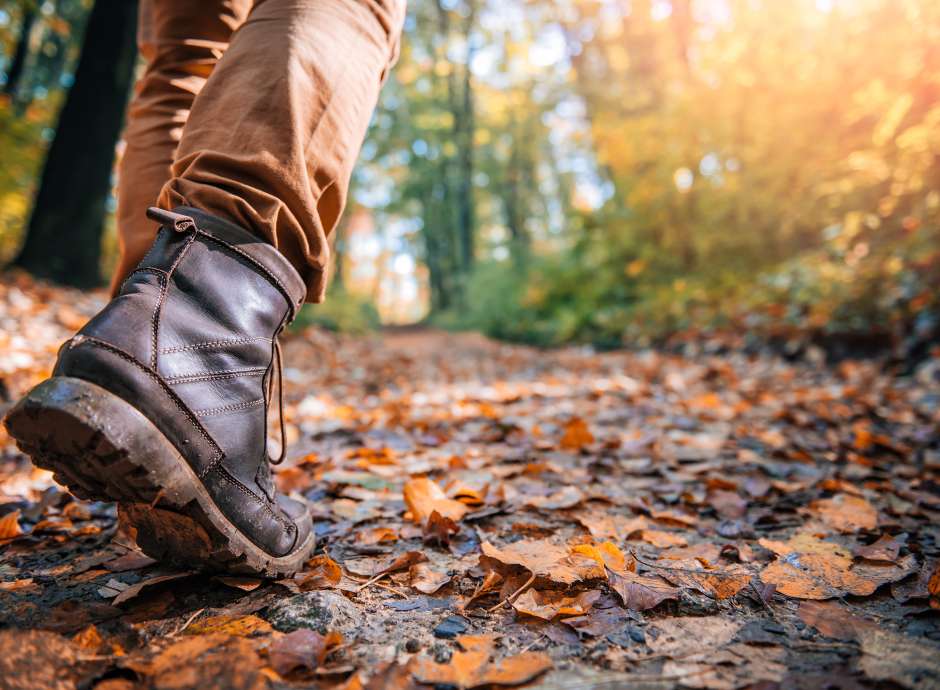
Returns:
(639,518)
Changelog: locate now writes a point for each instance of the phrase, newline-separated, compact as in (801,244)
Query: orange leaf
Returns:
(423,497)
(576,435)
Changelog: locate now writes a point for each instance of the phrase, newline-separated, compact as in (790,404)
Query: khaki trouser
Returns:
(254,111)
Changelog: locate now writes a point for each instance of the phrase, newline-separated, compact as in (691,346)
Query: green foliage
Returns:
(342,312)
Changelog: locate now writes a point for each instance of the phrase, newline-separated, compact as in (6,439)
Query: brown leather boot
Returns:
(160,402)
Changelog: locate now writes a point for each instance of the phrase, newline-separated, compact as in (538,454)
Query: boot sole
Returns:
(102,448)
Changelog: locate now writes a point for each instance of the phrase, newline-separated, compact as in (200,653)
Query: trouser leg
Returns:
(181,41)
(272,137)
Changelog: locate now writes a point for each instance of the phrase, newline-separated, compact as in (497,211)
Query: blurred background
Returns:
(616,172)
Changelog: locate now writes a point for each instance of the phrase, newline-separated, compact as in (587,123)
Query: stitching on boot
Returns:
(165,288)
(209,344)
(228,408)
(169,391)
(213,376)
(155,318)
(224,474)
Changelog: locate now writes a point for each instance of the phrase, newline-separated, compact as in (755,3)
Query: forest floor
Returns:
(493,515)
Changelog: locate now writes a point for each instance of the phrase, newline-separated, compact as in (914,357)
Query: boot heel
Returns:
(96,443)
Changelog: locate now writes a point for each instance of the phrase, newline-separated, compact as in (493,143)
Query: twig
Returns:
(156,499)
(371,582)
(186,624)
(512,597)
(701,571)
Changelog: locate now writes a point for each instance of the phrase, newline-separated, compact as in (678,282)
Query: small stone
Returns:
(412,646)
(451,626)
(441,653)
(319,610)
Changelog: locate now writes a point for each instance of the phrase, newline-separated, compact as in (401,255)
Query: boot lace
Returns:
(277,369)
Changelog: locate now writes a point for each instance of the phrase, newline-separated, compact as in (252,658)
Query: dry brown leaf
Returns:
(302,650)
(811,568)
(607,554)
(662,540)
(831,619)
(439,529)
(10,526)
(321,572)
(376,535)
(135,589)
(605,525)
(426,579)
(576,435)
(846,513)
(203,661)
(472,666)
(674,517)
(566,497)
(423,497)
(245,584)
(239,626)
(718,584)
(88,639)
(543,559)
(885,549)
(549,604)
(641,592)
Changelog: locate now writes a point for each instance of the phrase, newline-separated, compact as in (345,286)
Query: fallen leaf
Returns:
(885,549)
(302,649)
(846,513)
(607,554)
(245,584)
(661,539)
(831,619)
(376,535)
(239,626)
(818,569)
(439,529)
(88,639)
(543,559)
(426,579)
(897,658)
(603,524)
(423,497)
(641,592)
(135,589)
(576,435)
(549,604)
(718,584)
(10,526)
(472,666)
(320,572)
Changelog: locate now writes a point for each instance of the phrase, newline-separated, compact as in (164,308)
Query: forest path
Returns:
(494,514)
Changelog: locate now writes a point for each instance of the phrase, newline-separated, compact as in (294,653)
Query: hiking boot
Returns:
(161,401)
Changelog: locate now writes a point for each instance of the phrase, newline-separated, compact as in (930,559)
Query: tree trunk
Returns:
(15,73)
(63,242)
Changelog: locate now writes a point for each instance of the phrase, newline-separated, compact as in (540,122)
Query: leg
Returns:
(273,136)
(181,41)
